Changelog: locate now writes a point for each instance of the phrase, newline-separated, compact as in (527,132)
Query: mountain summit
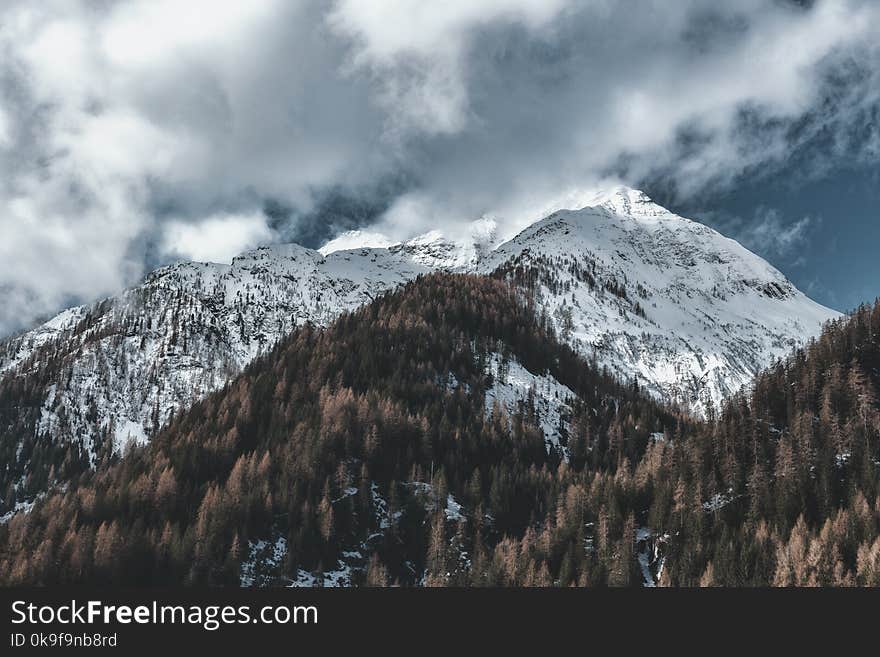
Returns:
(669,302)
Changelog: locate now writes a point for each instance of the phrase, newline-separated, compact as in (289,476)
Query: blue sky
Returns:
(834,257)
(139,132)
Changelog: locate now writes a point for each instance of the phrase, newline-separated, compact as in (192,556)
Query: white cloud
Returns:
(769,233)
(215,239)
(4,128)
(777,236)
(48,260)
(418,51)
(580,90)
(121,115)
(149,33)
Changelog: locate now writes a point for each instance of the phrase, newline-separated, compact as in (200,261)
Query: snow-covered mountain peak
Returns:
(617,199)
(628,218)
(438,252)
(688,313)
(629,202)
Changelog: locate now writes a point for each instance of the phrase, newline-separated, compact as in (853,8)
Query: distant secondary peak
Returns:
(357,239)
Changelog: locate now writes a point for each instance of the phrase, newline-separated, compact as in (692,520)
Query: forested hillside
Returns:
(367,453)
(791,469)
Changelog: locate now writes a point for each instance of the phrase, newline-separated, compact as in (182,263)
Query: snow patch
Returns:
(127,432)
(512,384)
(263,562)
(20,507)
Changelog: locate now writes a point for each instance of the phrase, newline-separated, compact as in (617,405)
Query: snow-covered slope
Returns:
(357,239)
(129,361)
(687,312)
(513,384)
(433,250)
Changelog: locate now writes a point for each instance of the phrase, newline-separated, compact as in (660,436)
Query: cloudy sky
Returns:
(138,132)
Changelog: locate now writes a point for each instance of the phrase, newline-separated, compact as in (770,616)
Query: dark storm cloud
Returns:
(137,131)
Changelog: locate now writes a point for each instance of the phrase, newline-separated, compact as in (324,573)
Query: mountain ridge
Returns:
(636,292)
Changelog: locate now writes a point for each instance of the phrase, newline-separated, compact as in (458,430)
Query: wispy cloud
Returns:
(768,232)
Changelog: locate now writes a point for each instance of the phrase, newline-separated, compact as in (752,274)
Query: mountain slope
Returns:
(651,296)
(788,477)
(690,314)
(98,377)
(328,459)
(364,453)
